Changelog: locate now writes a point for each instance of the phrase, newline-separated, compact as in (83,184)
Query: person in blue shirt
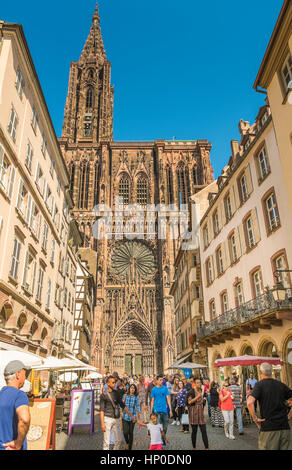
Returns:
(14,408)
(160,398)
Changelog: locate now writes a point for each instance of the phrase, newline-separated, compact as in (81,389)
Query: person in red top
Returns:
(227,408)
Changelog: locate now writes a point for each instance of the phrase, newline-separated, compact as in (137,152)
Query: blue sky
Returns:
(180,69)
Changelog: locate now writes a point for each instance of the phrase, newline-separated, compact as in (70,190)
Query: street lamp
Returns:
(279,291)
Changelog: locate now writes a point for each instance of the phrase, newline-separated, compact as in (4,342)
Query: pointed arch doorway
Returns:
(133,350)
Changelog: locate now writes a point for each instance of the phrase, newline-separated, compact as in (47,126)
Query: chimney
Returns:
(234,148)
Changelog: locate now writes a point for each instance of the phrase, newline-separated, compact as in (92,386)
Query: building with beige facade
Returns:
(245,238)
(275,78)
(38,265)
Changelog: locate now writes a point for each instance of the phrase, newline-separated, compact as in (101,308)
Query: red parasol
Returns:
(247,361)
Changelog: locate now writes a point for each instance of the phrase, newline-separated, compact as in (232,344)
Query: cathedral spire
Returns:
(96,18)
(94,47)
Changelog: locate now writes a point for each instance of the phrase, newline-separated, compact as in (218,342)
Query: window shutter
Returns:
(248,179)
(1,156)
(39,226)
(242,239)
(11,181)
(24,269)
(236,198)
(32,210)
(28,209)
(33,277)
(256,227)
(19,197)
(237,243)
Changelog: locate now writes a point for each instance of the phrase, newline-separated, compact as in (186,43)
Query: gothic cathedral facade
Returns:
(133,318)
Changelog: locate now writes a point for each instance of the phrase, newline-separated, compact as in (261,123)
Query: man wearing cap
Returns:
(14,410)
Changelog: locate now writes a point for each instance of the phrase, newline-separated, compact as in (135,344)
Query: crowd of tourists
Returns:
(152,401)
(148,401)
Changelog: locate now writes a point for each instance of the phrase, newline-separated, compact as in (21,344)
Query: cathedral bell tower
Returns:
(88,116)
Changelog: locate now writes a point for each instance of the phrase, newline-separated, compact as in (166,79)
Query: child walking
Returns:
(156,432)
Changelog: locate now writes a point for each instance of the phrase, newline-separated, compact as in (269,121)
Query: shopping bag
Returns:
(185,419)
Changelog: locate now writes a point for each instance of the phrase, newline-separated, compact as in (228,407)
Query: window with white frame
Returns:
(7,173)
(272,212)
(280,264)
(19,84)
(232,244)
(287,72)
(44,145)
(228,207)
(33,217)
(15,258)
(257,283)
(29,272)
(29,155)
(216,223)
(53,252)
(206,237)
(224,298)
(34,120)
(12,124)
(65,296)
(40,284)
(243,187)
(263,163)
(212,309)
(209,271)
(250,232)
(239,294)
(4,165)
(220,261)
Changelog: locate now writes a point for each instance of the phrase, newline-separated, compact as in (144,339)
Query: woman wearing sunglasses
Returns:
(227,408)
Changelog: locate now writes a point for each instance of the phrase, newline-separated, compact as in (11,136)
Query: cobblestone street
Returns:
(81,440)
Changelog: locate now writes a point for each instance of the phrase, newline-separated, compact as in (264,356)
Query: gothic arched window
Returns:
(90,74)
(89,98)
(124,189)
(181,185)
(195,176)
(83,186)
(169,185)
(142,186)
(72,176)
(96,180)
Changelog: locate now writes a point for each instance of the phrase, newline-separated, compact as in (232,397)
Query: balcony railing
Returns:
(244,313)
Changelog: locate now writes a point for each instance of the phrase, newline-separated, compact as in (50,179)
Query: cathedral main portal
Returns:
(133,350)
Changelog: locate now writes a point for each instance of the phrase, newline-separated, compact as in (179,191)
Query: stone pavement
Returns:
(81,440)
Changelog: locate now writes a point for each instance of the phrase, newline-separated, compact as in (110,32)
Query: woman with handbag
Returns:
(217,419)
(227,408)
(196,413)
(182,410)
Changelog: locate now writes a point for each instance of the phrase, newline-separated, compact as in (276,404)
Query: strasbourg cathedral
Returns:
(133,328)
